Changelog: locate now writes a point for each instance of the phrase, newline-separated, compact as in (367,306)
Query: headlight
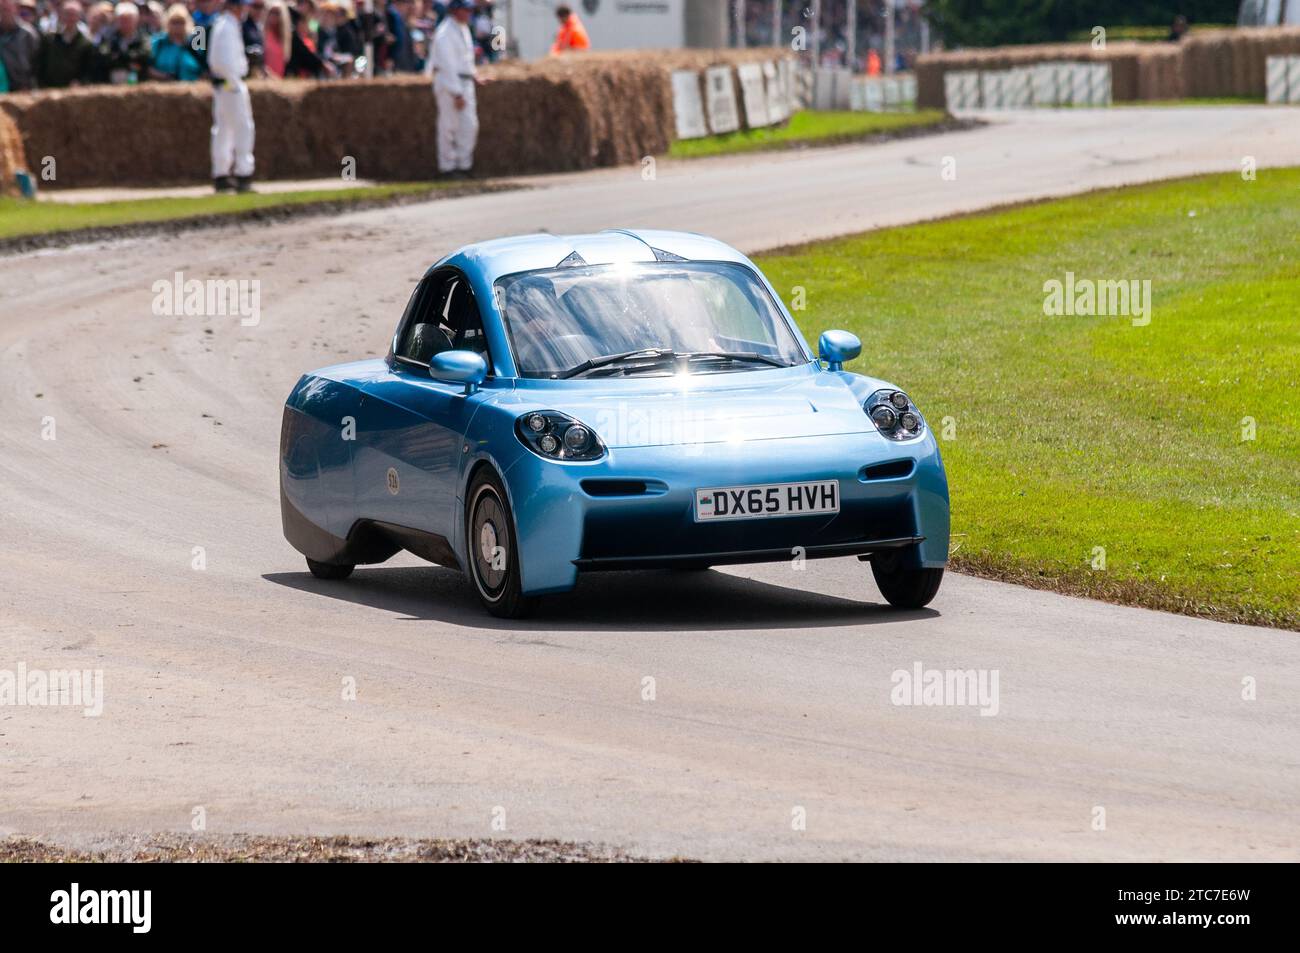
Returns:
(894,415)
(557,436)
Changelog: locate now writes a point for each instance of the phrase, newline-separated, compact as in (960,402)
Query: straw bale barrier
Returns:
(557,115)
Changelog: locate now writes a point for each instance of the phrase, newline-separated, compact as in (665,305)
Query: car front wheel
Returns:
(905,588)
(493,550)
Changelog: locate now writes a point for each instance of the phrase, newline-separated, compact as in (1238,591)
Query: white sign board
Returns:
(688,105)
(777,107)
(753,94)
(723,115)
(1293,79)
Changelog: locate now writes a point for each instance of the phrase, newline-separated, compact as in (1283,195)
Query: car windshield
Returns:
(644,318)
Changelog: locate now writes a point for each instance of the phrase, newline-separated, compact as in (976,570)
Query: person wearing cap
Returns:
(232,110)
(454,82)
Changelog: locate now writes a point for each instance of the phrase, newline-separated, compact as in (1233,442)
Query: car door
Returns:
(415,425)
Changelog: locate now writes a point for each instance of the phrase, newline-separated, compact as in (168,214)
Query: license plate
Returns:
(767,499)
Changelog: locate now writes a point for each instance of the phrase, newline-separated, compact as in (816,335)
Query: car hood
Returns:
(708,408)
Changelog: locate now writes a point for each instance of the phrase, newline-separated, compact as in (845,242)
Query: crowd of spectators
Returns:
(47,44)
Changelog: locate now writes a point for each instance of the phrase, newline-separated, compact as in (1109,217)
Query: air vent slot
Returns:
(614,487)
(888,471)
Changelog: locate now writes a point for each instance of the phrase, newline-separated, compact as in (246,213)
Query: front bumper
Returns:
(635,507)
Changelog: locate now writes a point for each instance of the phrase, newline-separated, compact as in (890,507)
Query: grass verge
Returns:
(25,224)
(813,127)
(1076,442)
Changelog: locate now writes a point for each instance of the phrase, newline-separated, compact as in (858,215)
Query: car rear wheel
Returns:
(905,588)
(493,551)
(330,570)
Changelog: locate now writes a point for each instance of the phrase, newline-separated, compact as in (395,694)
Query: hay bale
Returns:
(557,115)
(1160,73)
(103,135)
(11,154)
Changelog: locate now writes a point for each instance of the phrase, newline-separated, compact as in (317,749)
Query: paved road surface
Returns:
(772,686)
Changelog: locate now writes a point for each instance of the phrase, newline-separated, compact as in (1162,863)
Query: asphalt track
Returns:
(222,685)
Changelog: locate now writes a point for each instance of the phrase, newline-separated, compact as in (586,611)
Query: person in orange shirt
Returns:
(572,34)
(873,62)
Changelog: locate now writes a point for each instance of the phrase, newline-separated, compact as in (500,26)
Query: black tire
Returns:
(330,570)
(693,567)
(905,588)
(492,550)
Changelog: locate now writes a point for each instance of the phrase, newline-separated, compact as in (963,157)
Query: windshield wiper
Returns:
(650,353)
(660,355)
(732,356)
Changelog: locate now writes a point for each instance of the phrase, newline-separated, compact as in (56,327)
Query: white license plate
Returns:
(767,499)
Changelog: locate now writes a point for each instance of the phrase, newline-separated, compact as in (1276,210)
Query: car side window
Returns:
(421,336)
(443,316)
(464,323)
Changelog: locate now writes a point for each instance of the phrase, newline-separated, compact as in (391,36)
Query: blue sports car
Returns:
(553,405)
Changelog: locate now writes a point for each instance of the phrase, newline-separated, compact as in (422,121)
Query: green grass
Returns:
(1080,432)
(23,217)
(809,127)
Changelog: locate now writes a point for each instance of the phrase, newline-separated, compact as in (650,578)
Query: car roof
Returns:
(507,256)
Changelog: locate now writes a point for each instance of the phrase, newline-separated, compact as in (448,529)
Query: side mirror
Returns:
(837,347)
(459,367)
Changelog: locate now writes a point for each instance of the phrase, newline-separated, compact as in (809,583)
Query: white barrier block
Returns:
(723,115)
(831,87)
(1081,84)
(890,92)
(792,83)
(1101,88)
(991,88)
(1293,79)
(776,105)
(874,94)
(752,94)
(907,91)
(1018,87)
(971,89)
(1044,84)
(688,105)
(1275,78)
(952,92)
(1064,84)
